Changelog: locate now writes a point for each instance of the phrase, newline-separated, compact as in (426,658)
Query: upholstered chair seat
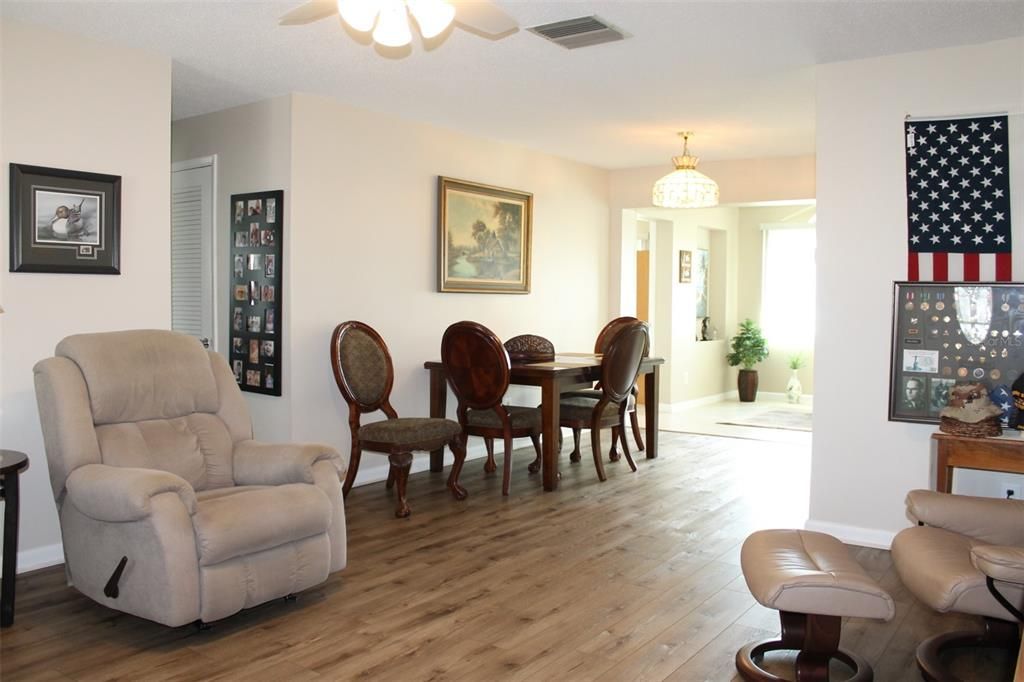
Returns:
(518,417)
(582,409)
(154,470)
(408,429)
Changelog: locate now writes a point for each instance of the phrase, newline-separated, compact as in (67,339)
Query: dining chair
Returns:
(365,375)
(604,337)
(479,370)
(620,367)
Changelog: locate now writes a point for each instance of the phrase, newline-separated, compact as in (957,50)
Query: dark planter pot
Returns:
(746,384)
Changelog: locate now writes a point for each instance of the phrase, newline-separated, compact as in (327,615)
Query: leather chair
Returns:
(365,374)
(620,367)
(168,508)
(479,371)
(604,338)
(967,556)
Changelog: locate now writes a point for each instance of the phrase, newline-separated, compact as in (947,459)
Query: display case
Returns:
(945,333)
(257,237)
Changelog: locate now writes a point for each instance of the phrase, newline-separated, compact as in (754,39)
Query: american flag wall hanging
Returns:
(958,199)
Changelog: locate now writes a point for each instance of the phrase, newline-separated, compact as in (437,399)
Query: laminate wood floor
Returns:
(637,578)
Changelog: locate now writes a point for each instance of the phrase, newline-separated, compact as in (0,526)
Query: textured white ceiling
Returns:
(740,74)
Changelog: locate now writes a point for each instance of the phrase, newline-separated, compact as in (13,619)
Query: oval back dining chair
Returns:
(479,371)
(604,338)
(365,375)
(620,367)
(529,348)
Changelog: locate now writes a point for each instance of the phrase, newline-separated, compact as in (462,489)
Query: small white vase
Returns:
(794,389)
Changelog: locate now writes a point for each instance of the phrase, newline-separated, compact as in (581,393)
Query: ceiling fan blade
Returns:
(314,10)
(484,17)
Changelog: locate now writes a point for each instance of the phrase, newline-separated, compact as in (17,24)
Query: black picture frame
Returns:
(945,333)
(64,221)
(255,305)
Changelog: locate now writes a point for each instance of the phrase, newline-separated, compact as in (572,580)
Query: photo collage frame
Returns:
(257,225)
(954,333)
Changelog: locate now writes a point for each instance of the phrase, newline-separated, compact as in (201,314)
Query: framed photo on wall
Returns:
(685,267)
(483,238)
(255,297)
(65,221)
(945,333)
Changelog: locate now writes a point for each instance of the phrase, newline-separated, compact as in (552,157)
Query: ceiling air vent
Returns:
(579,32)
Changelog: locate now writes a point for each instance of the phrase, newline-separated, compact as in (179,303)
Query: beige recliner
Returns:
(151,457)
(965,556)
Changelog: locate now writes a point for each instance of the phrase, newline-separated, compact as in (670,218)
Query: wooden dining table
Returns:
(567,372)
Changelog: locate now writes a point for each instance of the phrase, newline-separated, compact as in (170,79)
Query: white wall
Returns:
(863,465)
(253,148)
(94,108)
(364,246)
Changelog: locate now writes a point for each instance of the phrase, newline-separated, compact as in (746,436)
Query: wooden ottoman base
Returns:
(816,638)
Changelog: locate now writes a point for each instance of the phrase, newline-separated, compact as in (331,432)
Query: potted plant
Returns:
(748,349)
(794,389)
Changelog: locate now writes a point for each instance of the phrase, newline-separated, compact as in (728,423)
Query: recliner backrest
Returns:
(152,399)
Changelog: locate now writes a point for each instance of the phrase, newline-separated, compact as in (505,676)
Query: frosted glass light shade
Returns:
(433,16)
(359,14)
(685,188)
(392,25)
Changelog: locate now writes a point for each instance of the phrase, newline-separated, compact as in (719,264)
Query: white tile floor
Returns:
(705,419)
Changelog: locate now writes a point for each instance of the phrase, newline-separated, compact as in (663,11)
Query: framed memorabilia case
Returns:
(944,333)
(255,301)
(65,221)
(483,238)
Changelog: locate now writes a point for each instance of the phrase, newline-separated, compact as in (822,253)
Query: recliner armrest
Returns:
(992,520)
(1000,562)
(109,493)
(257,463)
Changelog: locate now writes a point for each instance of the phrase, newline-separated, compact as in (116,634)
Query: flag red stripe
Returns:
(940,267)
(1004,267)
(913,273)
(972,267)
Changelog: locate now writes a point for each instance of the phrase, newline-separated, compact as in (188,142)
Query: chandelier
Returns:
(685,187)
(389,19)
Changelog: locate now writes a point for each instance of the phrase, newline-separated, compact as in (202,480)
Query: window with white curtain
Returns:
(787,298)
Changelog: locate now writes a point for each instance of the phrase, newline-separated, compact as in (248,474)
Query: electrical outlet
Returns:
(1011,490)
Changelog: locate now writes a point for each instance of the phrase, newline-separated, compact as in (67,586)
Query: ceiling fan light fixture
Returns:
(685,187)
(432,16)
(392,25)
(359,14)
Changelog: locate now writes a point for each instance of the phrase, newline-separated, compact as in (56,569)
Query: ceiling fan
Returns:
(389,19)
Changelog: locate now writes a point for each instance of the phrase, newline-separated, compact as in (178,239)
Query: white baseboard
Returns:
(853,535)
(697,402)
(40,557)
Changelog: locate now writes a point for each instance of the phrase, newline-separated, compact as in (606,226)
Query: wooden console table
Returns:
(986,454)
(12,463)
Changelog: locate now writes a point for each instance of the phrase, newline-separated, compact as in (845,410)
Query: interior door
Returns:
(193,303)
(643,293)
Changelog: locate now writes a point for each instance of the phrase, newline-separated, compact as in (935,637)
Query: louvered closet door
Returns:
(192,298)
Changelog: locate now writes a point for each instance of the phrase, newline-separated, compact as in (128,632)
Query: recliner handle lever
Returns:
(111,588)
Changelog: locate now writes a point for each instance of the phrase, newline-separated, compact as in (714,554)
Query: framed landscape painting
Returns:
(484,238)
(64,221)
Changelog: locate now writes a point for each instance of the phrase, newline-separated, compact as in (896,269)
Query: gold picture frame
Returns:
(685,267)
(484,238)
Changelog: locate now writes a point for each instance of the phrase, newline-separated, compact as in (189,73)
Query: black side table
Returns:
(12,463)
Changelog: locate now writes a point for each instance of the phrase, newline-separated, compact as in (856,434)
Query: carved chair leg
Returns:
(574,456)
(506,474)
(490,466)
(635,423)
(400,465)
(353,467)
(458,448)
(391,479)
(595,445)
(613,454)
(535,464)
(625,445)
